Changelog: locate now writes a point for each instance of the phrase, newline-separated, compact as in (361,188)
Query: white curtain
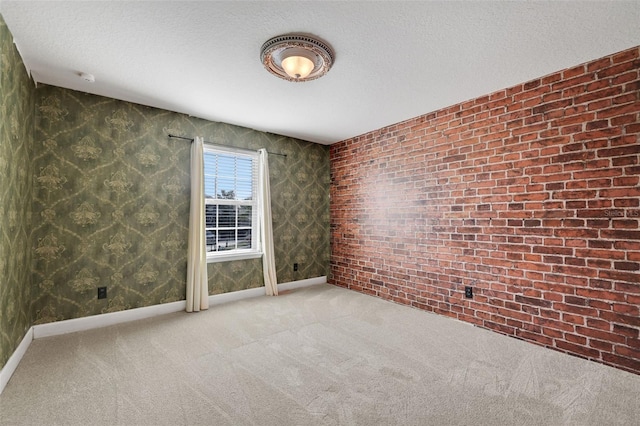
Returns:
(197,288)
(266,228)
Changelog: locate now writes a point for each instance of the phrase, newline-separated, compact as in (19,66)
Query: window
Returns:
(231,204)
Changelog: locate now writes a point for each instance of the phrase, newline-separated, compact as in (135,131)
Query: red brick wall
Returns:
(530,195)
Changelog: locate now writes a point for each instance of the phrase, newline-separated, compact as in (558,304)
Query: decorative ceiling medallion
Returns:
(296,57)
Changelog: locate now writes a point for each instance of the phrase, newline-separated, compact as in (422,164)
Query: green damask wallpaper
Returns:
(111,200)
(16,141)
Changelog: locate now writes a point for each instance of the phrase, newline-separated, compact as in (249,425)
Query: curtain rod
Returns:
(224,146)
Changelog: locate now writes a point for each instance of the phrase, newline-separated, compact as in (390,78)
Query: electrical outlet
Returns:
(468,292)
(295,267)
(102,292)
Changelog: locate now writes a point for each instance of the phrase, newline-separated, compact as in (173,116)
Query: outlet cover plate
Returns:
(102,292)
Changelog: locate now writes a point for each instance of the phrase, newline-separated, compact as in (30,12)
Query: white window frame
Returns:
(238,254)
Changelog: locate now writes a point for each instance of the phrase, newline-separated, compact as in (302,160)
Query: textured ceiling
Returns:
(394,60)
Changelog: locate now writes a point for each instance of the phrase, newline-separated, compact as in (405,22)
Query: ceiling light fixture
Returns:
(296,57)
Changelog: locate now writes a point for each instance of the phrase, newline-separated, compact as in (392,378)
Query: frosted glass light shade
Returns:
(297,66)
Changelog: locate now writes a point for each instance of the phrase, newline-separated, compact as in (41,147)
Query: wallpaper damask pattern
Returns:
(111,200)
(16,139)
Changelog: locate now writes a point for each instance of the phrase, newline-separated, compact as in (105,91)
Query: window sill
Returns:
(234,256)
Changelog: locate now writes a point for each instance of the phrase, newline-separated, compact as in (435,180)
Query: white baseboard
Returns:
(104,320)
(10,367)
(217,299)
(302,283)
(112,318)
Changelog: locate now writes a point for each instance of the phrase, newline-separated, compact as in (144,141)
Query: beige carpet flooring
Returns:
(320,355)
